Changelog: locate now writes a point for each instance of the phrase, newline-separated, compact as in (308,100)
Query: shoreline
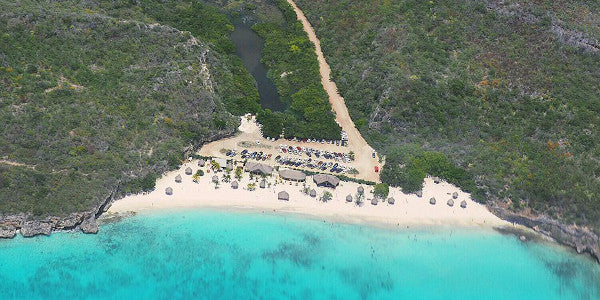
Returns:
(408,209)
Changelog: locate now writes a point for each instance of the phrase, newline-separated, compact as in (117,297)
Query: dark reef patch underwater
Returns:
(217,255)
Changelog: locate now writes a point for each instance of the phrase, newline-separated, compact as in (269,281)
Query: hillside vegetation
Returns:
(92,101)
(500,97)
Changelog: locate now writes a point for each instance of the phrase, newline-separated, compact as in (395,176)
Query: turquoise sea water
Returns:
(217,255)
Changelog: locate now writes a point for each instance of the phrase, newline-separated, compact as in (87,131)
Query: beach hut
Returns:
(215,179)
(450,202)
(313,193)
(360,190)
(169,191)
(292,175)
(201,163)
(455,195)
(463,204)
(283,195)
(188,171)
(419,194)
(432,201)
(234,185)
(178,178)
(326,180)
(349,198)
(436,180)
(258,168)
(391,200)
(263,184)
(374,201)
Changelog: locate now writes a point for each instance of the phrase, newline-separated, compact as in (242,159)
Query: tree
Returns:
(381,190)
(238,173)
(326,196)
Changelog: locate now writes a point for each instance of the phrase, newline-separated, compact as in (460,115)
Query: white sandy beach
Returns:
(408,210)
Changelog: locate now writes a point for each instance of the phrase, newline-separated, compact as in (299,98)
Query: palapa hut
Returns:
(455,195)
(450,202)
(258,168)
(283,195)
(313,193)
(215,179)
(201,163)
(188,171)
(374,201)
(326,180)
(463,204)
(360,190)
(169,191)
(178,178)
(349,198)
(234,185)
(419,194)
(262,184)
(292,175)
(391,200)
(432,201)
(436,180)
(229,166)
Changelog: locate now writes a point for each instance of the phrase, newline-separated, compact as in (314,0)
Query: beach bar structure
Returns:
(258,168)
(292,175)
(326,180)
(283,195)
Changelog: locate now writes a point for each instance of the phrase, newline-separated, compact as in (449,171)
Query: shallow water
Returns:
(249,47)
(209,255)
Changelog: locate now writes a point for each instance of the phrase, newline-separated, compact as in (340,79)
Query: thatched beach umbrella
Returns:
(201,163)
(188,171)
(419,194)
(178,178)
(234,185)
(463,204)
(169,191)
(432,201)
(391,200)
(313,193)
(374,201)
(360,189)
(263,184)
(349,198)
(455,195)
(283,195)
(450,202)
(215,179)
(436,180)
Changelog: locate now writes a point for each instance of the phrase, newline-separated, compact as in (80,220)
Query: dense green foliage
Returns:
(293,67)
(381,190)
(90,103)
(509,91)
(207,23)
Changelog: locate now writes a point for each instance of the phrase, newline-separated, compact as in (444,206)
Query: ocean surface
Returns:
(226,255)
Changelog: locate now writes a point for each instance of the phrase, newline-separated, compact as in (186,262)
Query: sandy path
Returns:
(356,142)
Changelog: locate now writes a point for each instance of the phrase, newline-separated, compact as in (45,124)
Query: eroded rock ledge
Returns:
(582,239)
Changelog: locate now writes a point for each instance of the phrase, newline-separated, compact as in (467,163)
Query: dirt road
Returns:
(356,142)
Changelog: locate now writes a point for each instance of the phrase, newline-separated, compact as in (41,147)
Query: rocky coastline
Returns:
(582,239)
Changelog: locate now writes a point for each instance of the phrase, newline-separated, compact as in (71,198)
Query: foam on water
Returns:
(205,254)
